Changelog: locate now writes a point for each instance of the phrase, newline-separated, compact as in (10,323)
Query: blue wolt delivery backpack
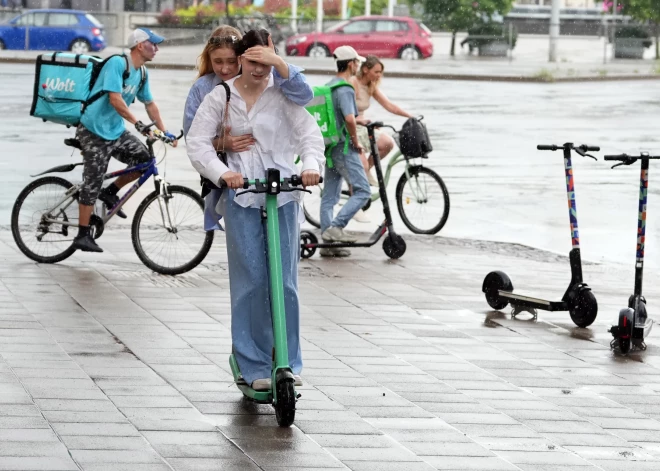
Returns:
(63,83)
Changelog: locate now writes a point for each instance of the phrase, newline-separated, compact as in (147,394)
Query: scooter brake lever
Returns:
(589,155)
(296,189)
(248,191)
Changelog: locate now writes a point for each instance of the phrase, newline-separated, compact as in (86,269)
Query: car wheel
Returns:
(318,50)
(2,45)
(79,46)
(410,53)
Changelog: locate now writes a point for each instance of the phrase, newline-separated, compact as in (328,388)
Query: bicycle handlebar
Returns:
(626,157)
(159,135)
(583,147)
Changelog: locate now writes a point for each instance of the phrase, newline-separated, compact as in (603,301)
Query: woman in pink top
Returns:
(366,85)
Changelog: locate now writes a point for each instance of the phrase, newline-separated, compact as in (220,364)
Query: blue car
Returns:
(54,30)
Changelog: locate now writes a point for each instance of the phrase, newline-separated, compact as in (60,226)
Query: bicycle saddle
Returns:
(72,142)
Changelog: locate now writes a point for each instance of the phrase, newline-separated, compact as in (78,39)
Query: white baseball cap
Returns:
(141,35)
(347,53)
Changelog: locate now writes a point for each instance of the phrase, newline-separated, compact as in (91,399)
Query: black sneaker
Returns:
(86,243)
(110,201)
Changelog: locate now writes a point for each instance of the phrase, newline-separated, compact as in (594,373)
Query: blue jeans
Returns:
(347,167)
(249,286)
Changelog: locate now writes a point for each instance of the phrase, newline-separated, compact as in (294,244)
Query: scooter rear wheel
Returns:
(285,408)
(394,247)
(493,283)
(625,329)
(307,238)
(584,308)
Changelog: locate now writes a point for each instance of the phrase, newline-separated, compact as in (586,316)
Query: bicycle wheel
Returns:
(423,200)
(176,248)
(41,241)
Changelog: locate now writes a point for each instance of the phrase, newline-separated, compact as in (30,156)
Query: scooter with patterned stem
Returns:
(634,325)
(578,299)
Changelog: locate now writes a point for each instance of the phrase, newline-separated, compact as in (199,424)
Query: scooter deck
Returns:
(262,397)
(517,299)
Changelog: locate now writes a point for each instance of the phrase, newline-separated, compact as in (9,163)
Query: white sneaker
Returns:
(373,181)
(261,384)
(361,216)
(337,234)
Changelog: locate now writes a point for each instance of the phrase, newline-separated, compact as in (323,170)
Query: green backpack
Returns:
(323,111)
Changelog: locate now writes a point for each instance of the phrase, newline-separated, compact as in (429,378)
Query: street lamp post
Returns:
(344,9)
(294,16)
(367,7)
(390,8)
(554,31)
(319,16)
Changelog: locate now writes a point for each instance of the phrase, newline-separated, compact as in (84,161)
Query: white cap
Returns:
(347,53)
(141,35)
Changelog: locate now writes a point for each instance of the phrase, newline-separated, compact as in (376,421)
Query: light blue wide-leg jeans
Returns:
(249,284)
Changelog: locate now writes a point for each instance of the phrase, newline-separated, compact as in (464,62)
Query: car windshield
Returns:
(424,27)
(334,28)
(94,21)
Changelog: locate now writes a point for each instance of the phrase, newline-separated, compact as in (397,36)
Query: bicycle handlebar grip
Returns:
(593,148)
(320,179)
(616,157)
(546,147)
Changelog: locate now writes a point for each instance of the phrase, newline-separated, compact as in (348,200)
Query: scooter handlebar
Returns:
(294,180)
(547,147)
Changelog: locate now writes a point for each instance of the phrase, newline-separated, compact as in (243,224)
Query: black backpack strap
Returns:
(226,90)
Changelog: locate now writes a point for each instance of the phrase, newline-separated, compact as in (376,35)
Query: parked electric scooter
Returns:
(634,325)
(394,246)
(578,299)
(282,394)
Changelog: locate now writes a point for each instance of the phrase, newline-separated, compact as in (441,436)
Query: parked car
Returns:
(384,36)
(55,30)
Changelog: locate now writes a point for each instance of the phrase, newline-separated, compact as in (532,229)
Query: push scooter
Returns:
(282,394)
(634,325)
(578,299)
(394,246)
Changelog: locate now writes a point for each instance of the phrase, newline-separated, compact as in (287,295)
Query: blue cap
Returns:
(140,35)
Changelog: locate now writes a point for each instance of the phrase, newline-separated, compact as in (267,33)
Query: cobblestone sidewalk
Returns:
(105,366)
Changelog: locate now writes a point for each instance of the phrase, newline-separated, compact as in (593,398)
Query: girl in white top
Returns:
(281,130)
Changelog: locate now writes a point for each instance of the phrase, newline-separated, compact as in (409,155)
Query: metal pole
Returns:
(367,7)
(319,16)
(510,42)
(294,16)
(344,9)
(606,38)
(554,30)
(390,8)
(614,5)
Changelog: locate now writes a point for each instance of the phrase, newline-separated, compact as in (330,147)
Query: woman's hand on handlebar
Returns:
(233,180)
(310,178)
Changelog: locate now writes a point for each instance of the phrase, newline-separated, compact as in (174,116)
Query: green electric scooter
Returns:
(282,394)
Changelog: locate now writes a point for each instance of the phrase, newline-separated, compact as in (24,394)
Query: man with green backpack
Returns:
(342,152)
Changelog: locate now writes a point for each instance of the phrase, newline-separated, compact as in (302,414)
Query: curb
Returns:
(414,75)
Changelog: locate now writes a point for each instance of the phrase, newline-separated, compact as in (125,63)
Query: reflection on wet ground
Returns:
(484,137)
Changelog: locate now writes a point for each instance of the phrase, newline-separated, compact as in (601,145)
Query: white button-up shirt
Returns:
(280,128)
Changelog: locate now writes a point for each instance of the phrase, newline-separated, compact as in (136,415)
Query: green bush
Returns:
(498,32)
(633,31)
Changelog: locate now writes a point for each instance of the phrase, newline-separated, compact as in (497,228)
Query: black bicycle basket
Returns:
(414,139)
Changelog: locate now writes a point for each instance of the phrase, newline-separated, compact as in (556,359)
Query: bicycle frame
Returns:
(146,169)
(396,159)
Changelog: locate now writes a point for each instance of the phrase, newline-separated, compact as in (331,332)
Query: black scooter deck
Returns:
(521,300)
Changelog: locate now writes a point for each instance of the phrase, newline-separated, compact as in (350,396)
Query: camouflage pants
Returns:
(96,153)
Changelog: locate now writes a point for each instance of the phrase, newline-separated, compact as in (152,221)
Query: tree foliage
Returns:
(646,10)
(460,15)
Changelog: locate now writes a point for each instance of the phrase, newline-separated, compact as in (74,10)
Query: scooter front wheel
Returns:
(624,333)
(584,308)
(394,247)
(285,407)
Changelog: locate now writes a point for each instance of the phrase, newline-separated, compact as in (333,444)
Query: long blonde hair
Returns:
(371,62)
(222,36)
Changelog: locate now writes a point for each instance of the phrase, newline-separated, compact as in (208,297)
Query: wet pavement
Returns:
(107,366)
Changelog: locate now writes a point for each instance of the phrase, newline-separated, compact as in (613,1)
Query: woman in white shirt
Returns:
(281,130)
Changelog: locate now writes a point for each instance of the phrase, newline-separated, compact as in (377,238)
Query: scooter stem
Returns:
(641,225)
(276,280)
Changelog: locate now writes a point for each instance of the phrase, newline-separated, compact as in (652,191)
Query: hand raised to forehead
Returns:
(265,55)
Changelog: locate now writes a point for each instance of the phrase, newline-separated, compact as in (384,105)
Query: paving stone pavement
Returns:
(106,366)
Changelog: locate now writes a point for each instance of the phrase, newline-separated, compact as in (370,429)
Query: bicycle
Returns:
(47,208)
(414,195)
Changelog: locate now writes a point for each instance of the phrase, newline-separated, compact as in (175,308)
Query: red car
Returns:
(383,36)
